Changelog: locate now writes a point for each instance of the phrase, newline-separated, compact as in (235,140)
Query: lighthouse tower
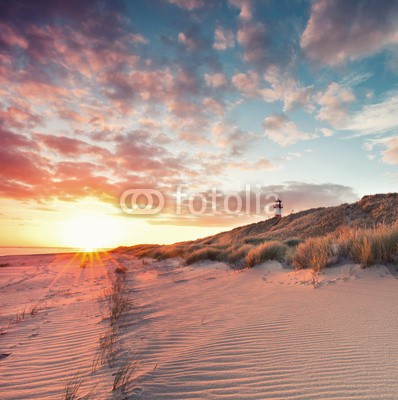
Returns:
(278,208)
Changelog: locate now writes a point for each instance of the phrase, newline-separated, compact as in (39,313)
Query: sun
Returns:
(91,232)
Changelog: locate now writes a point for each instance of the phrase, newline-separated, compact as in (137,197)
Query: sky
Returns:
(204,111)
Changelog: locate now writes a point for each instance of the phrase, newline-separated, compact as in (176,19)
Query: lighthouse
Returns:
(278,208)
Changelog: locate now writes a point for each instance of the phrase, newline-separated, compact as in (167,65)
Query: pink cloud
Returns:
(214,106)
(188,4)
(216,80)
(223,38)
(41,92)
(253,38)
(10,37)
(71,147)
(18,117)
(20,165)
(189,41)
(390,154)
(340,30)
(333,104)
(247,83)
(245,8)
(281,130)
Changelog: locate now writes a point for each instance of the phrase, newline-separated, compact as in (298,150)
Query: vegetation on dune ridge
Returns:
(365,232)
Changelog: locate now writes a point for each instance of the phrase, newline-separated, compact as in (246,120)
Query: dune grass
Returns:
(72,389)
(124,375)
(368,246)
(267,251)
(365,246)
(314,253)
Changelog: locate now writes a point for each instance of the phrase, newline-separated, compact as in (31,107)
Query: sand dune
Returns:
(201,332)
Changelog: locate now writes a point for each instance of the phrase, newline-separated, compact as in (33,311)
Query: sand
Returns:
(197,332)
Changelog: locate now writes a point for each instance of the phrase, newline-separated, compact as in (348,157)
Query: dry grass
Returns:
(267,251)
(34,310)
(236,253)
(72,388)
(107,350)
(293,242)
(119,304)
(207,253)
(365,246)
(375,246)
(120,269)
(21,316)
(124,375)
(314,253)
(313,238)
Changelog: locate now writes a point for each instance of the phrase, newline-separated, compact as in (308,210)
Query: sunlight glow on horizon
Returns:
(91,232)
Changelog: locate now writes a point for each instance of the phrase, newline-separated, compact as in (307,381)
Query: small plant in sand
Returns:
(119,306)
(124,376)
(34,310)
(118,302)
(20,317)
(107,350)
(72,389)
(120,269)
(314,278)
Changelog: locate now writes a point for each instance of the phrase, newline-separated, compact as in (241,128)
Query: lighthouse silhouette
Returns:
(278,208)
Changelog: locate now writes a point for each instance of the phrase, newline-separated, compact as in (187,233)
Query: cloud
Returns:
(20,117)
(376,118)
(214,106)
(326,132)
(299,196)
(188,4)
(296,196)
(390,155)
(247,83)
(285,88)
(22,170)
(229,136)
(189,41)
(333,104)
(71,147)
(216,80)
(276,86)
(262,163)
(253,38)
(340,30)
(245,8)
(223,38)
(281,130)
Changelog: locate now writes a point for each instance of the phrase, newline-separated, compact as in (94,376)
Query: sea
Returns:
(22,250)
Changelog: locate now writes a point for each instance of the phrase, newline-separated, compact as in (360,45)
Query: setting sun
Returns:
(90,232)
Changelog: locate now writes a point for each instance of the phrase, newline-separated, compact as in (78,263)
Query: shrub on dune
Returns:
(207,253)
(267,251)
(237,253)
(377,245)
(314,253)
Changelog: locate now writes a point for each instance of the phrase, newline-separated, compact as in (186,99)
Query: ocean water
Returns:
(22,250)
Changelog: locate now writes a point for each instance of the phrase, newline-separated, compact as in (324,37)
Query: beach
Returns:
(195,332)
